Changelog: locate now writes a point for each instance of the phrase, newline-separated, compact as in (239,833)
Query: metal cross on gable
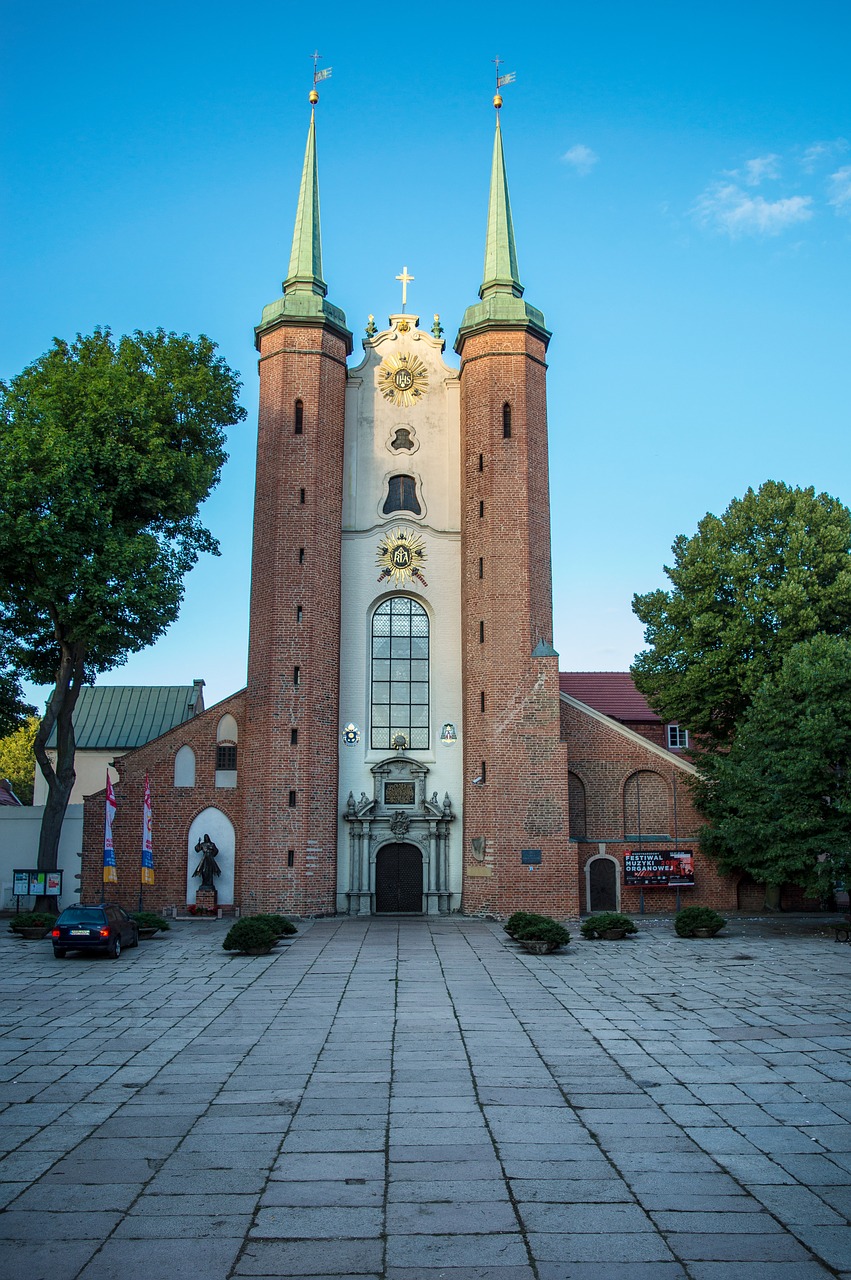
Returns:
(406,280)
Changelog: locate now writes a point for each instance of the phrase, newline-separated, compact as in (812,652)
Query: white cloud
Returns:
(727,208)
(581,158)
(840,190)
(819,151)
(760,169)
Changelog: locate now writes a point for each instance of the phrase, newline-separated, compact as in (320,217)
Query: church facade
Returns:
(402,744)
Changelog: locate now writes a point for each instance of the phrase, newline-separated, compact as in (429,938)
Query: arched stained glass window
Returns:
(400,675)
(402,496)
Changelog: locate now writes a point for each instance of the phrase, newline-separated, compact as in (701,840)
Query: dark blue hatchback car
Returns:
(103,928)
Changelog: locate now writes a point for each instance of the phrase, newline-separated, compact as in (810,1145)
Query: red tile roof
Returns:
(7,795)
(611,692)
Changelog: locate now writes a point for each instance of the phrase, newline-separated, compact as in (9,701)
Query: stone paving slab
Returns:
(412,1099)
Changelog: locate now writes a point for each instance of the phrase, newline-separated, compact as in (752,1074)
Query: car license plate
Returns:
(79,933)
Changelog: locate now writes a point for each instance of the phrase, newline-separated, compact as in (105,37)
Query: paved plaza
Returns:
(412,1099)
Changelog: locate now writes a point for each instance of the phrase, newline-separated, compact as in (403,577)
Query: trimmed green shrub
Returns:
(31,920)
(692,918)
(542,929)
(605,920)
(282,926)
(249,934)
(519,920)
(149,920)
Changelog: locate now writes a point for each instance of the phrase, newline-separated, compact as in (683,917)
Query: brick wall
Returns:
(506,604)
(294,645)
(611,770)
(174,809)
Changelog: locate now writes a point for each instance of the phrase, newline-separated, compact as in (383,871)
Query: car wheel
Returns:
(115,949)
(59,953)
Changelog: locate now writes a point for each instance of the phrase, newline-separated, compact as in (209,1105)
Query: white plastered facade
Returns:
(430,422)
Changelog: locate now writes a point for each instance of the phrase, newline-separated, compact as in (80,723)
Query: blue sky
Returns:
(681,184)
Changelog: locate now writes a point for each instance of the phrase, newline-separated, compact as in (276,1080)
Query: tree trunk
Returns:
(60,781)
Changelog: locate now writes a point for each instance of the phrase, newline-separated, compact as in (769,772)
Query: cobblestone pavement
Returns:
(413,1099)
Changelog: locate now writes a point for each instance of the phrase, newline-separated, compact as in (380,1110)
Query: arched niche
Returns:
(184,767)
(645,805)
(227,730)
(577,806)
(219,828)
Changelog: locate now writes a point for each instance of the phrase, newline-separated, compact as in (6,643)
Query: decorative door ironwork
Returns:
(399,878)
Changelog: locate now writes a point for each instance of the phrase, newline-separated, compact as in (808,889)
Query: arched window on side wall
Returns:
(400,675)
(184,767)
(506,421)
(227,735)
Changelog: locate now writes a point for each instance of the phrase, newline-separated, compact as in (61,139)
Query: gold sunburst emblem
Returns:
(400,557)
(402,379)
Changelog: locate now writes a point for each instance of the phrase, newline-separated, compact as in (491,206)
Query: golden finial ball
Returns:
(497,101)
(313,97)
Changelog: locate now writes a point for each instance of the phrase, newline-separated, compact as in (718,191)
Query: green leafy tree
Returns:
(773,570)
(107,448)
(779,802)
(13,709)
(17,761)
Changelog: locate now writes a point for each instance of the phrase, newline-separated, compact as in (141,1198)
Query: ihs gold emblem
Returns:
(402,379)
(400,555)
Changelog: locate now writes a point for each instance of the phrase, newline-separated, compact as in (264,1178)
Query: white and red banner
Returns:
(110,872)
(147,837)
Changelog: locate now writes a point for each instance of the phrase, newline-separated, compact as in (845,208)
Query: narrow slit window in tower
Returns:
(481,633)
(482,697)
(293,737)
(296,676)
(481,566)
(298,613)
(301,555)
(299,418)
(506,421)
(301,496)
(292,800)
(481,462)
(481,508)
(290,857)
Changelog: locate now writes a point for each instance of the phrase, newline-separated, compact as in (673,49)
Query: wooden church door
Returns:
(399,878)
(602,885)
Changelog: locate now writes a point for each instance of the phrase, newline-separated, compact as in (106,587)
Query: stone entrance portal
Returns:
(399,843)
(399,878)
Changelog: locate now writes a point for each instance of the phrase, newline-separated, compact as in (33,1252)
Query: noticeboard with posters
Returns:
(28,883)
(659,868)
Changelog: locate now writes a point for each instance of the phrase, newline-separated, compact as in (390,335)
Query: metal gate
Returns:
(399,878)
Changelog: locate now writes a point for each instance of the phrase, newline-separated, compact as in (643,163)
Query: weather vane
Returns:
(406,280)
(317,76)
(508,78)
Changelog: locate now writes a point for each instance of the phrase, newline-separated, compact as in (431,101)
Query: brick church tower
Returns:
(516,849)
(290,754)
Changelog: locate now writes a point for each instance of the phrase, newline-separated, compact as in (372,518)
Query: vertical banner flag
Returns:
(110,874)
(147,841)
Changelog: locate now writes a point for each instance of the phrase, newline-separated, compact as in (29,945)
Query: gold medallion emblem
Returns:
(402,379)
(400,555)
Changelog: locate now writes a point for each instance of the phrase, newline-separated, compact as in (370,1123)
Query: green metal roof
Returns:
(501,293)
(304,300)
(120,717)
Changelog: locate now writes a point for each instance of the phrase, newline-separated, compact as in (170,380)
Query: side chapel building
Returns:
(403,743)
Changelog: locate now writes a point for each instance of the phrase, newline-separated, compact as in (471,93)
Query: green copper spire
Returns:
(305,269)
(304,289)
(501,273)
(501,292)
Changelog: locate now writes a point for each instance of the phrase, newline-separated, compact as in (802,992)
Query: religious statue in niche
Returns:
(208,867)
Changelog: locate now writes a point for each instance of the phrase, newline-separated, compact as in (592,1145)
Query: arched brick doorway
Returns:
(603,876)
(399,878)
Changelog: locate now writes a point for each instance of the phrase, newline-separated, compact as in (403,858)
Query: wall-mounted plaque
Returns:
(399,793)
(530,857)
